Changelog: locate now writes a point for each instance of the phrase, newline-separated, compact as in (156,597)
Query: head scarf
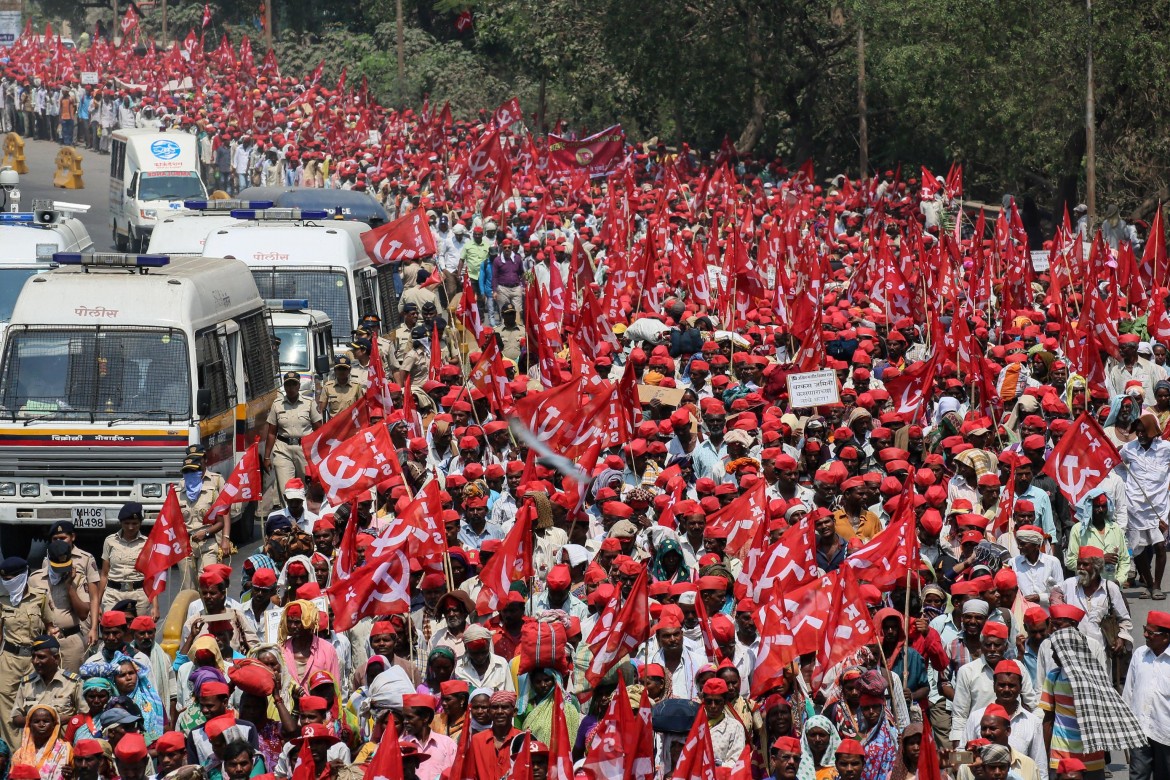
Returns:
(146,697)
(476,726)
(55,751)
(442,652)
(308,618)
(98,683)
(1084,508)
(1106,723)
(1150,423)
(386,691)
(807,770)
(981,460)
(207,643)
(304,560)
(682,574)
(536,715)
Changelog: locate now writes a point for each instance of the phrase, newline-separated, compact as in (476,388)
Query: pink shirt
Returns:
(441,750)
(323,659)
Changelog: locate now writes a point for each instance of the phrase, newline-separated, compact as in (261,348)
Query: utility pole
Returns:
(401,52)
(1090,127)
(164,24)
(863,121)
(268,24)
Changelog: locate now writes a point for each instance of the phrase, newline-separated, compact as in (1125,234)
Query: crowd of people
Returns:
(965,349)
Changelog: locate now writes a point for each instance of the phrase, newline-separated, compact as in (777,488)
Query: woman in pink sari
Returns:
(304,652)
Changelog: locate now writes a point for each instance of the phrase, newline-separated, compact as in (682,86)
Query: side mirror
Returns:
(130,192)
(203,402)
(321,365)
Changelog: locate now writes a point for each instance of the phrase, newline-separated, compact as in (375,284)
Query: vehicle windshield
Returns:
(294,348)
(325,289)
(180,186)
(96,373)
(11,283)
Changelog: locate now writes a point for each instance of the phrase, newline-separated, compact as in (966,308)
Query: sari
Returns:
(881,745)
(53,756)
(536,716)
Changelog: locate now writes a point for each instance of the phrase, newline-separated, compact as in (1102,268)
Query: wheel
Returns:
(121,243)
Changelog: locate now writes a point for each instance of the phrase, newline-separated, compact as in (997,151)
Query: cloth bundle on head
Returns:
(976,607)
(544,511)
(386,691)
(1105,722)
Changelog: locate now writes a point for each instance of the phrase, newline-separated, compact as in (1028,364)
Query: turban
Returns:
(976,607)
(503,697)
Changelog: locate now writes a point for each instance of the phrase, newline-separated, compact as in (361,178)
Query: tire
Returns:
(121,243)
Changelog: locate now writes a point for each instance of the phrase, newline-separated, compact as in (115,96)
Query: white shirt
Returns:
(728,739)
(1027,735)
(974,688)
(1038,578)
(498,676)
(1147,692)
(1145,482)
(1096,607)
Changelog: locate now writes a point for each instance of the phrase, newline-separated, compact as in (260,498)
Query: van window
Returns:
(117,159)
(260,371)
(213,374)
(365,293)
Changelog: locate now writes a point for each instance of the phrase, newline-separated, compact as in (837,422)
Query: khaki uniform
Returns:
(386,349)
(124,581)
(359,374)
(417,363)
(73,629)
(206,551)
(293,420)
(402,341)
(510,338)
(419,296)
(22,624)
(336,396)
(62,693)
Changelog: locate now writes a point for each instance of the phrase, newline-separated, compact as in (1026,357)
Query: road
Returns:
(37,184)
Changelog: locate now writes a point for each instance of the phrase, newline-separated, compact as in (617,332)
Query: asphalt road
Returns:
(37,184)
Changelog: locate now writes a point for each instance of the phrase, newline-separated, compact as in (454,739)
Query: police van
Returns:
(184,232)
(151,174)
(302,254)
(28,240)
(112,366)
(304,342)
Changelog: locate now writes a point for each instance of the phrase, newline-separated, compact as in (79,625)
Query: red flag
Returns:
(436,362)
(641,759)
(697,760)
(206,15)
(167,544)
(341,81)
(380,587)
(849,626)
(418,525)
(1082,459)
(490,377)
(742,768)
(629,631)
(513,563)
(607,753)
(911,389)
(463,22)
(928,761)
(407,238)
(508,112)
(886,558)
(244,484)
(381,402)
(129,20)
(386,763)
(347,554)
(776,650)
(303,768)
(1007,506)
(361,462)
(788,564)
(740,518)
(318,444)
(463,768)
(468,310)
(560,749)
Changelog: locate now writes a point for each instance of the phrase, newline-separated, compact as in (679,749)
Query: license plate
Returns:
(89,517)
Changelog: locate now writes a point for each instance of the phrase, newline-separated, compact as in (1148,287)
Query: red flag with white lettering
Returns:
(776,650)
(407,238)
(511,564)
(697,760)
(381,586)
(1082,459)
(425,537)
(244,484)
(468,310)
(318,444)
(740,519)
(167,544)
(848,627)
(361,462)
(885,559)
(629,631)
(560,749)
(788,564)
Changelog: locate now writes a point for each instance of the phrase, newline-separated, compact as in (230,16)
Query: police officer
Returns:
(23,617)
(417,361)
(410,315)
(371,328)
(85,568)
(510,333)
(290,419)
(71,608)
(359,357)
(210,542)
(47,683)
(120,577)
(339,391)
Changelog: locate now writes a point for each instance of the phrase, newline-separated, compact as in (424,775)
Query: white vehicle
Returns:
(306,342)
(151,174)
(184,232)
(112,366)
(27,242)
(302,255)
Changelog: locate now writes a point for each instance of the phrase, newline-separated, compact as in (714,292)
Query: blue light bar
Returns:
(226,204)
(111,260)
(13,217)
(280,214)
(287,304)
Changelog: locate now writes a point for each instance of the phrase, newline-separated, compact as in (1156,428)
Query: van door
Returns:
(117,183)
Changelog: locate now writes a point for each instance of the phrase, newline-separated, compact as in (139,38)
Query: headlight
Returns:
(152,490)
(147,213)
(29,489)
(7,488)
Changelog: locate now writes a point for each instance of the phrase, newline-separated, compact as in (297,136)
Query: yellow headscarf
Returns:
(56,749)
(308,619)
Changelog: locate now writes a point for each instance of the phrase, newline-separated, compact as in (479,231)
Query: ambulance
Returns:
(113,364)
(303,254)
(151,174)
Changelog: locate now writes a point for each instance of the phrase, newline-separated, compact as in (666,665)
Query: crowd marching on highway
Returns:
(666,465)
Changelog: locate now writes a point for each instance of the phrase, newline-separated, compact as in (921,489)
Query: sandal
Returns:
(1158,595)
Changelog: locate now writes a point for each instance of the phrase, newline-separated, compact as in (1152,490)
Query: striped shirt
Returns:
(1056,696)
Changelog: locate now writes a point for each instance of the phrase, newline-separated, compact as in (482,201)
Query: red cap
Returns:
(24,772)
(264,578)
(1087,553)
(214,688)
(1067,612)
(169,742)
(559,577)
(654,670)
(313,703)
(1159,619)
(1035,616)
(450,687)
(424,700)
(716,686)
(996,711)
(851,747)
(998,630)
(1007,666)
(113,619)
(131,748)
(143,623)
(217,726)
(91,747)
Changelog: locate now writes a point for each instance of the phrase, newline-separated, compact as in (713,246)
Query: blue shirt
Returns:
(470,540)
(1043,507)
